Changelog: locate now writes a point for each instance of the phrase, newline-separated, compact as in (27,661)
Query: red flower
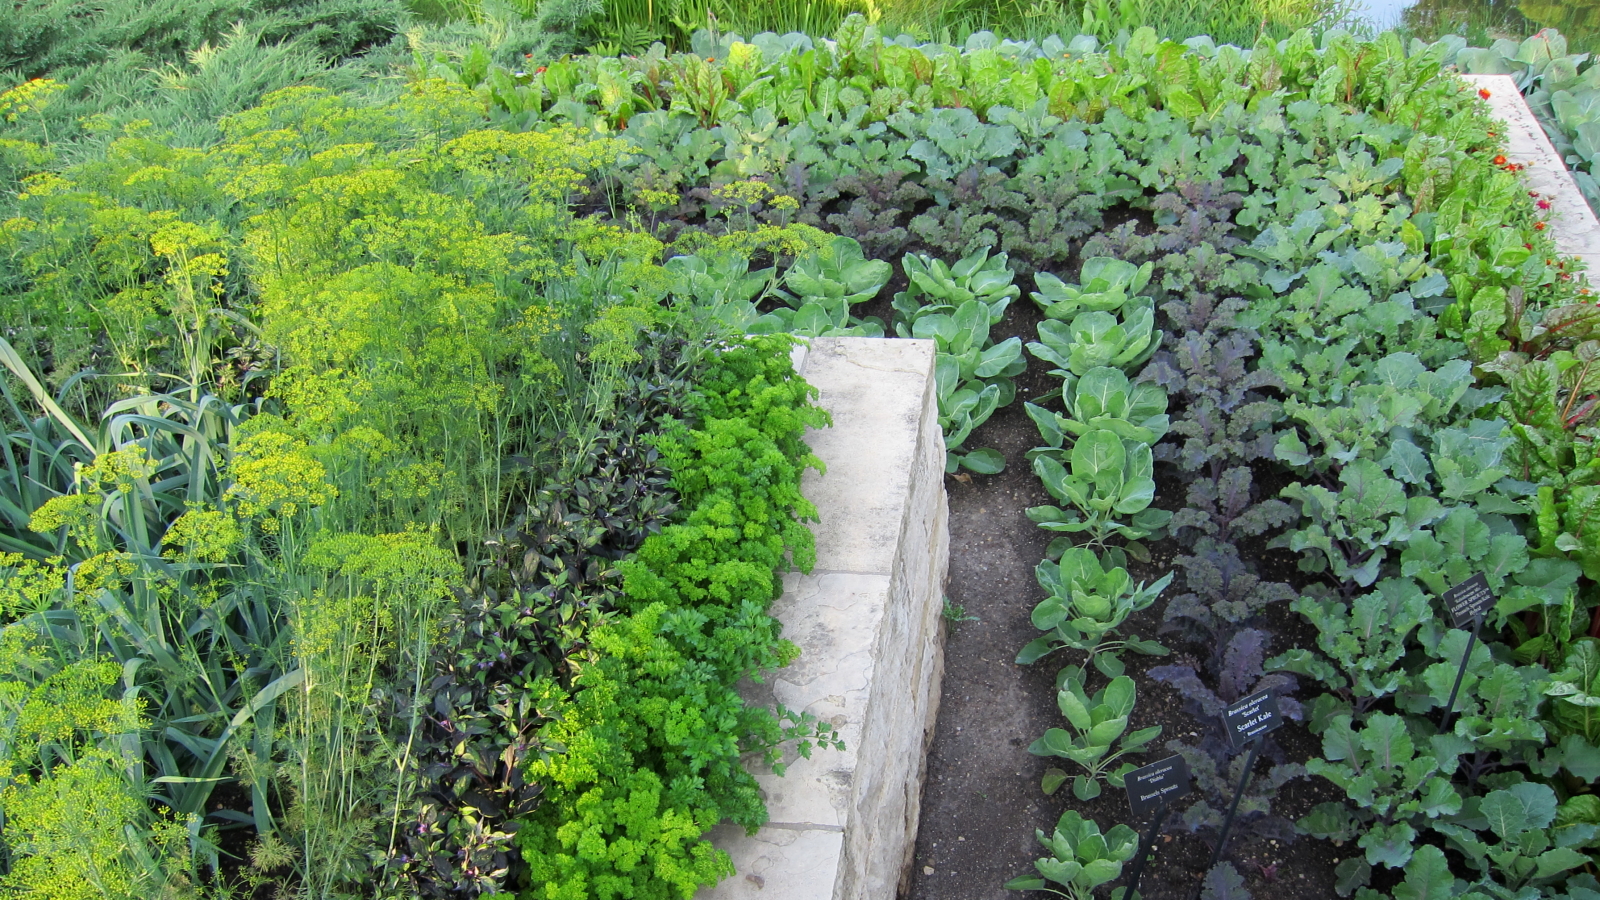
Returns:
(1527,246)
(1484,93)
(1500,160)
(1538,226)
(1491,134)
(540,70)
(1544,204)
(1533,193)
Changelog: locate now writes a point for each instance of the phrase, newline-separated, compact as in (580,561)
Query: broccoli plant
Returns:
(1496,709)
(1512,837)
(1361,642)
(1087,604)
(1394,785)
(1109,488)
(1095,737)
(1349,531)
(1081,857)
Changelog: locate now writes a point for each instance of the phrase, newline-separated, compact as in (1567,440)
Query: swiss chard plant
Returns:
(1086,605)
(1096,737)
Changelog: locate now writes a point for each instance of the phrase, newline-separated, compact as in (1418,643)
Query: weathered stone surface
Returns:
(867,620)
(1572,223)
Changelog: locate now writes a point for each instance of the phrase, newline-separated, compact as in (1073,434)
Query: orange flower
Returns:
(1538,226)
(1500,160)
(540,70)
(1484,93)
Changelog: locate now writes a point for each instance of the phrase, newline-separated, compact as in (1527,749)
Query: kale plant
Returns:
(1239,673)
(1223,594)
(1226,423)
(1216,777)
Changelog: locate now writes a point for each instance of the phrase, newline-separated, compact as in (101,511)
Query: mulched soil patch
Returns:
(982,801)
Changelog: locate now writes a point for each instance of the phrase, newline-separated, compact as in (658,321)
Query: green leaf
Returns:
(985,461)
(1074,709)
(1427,876)
(1052,780)
(1558,860)
(1507,815)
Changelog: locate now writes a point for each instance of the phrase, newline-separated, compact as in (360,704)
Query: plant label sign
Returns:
(1252,717)
(1469,600)
(1154,786)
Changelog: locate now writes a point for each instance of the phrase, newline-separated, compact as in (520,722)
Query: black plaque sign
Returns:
(1154,786)
(1469,600)
(1252,717)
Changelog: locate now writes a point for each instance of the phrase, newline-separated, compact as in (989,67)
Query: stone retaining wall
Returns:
(1572,222)
(869,625)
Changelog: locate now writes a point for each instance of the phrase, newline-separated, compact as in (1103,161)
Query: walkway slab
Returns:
(868,623)
(1573,225)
